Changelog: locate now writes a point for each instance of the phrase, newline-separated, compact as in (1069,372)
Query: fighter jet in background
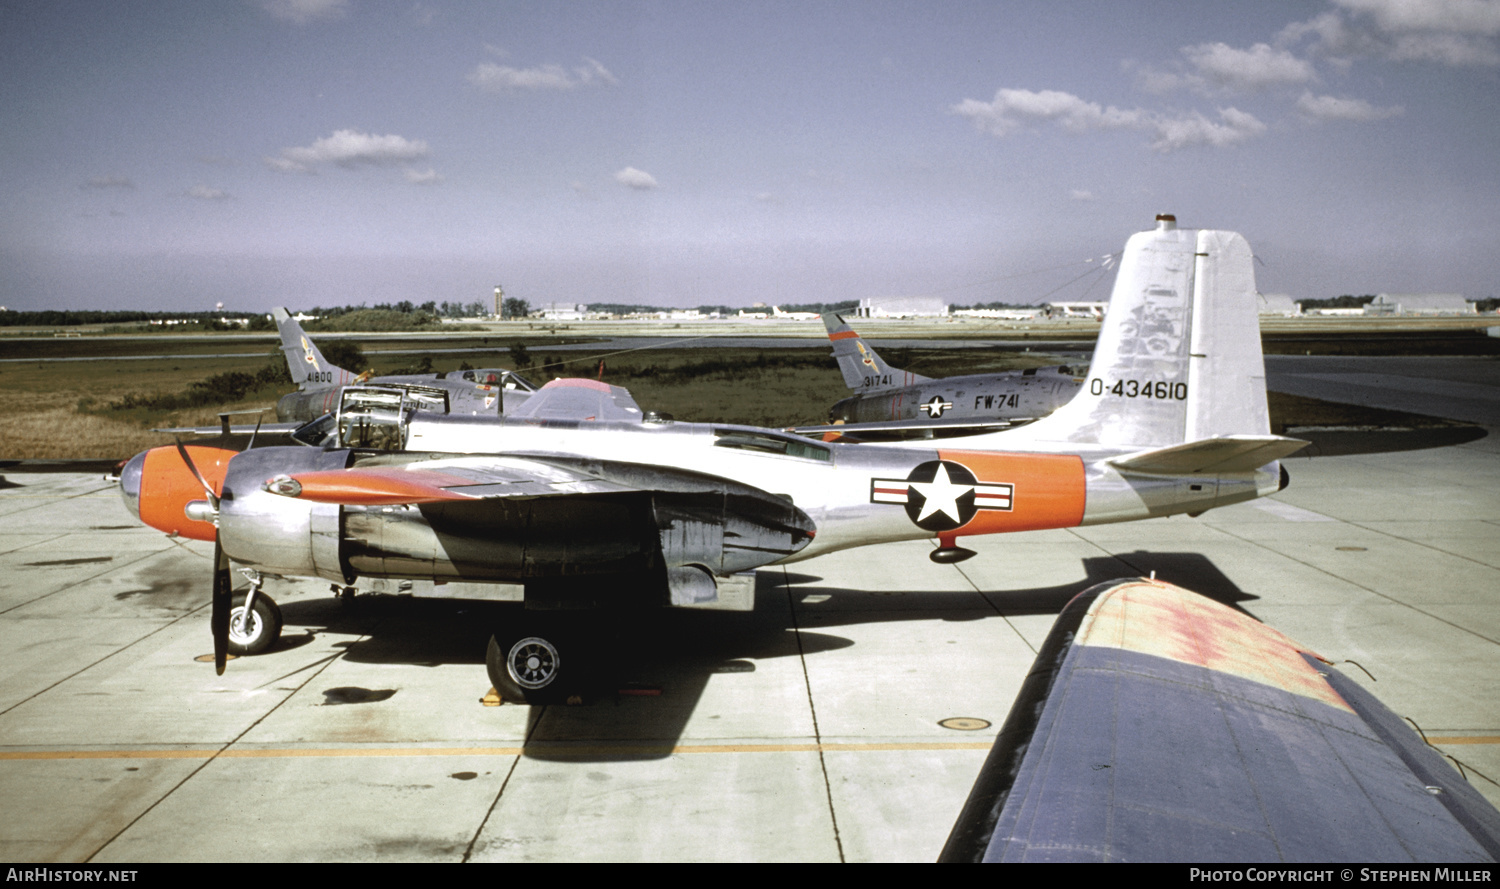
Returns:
(482,392)
(582,506)
(899,402)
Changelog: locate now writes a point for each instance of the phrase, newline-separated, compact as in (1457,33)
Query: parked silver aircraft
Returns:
(483,392)
(582,504)
(889,399)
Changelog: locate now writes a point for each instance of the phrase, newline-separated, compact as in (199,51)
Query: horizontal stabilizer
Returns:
(1230,453)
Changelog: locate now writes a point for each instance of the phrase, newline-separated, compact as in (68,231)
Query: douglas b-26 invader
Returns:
(588,506)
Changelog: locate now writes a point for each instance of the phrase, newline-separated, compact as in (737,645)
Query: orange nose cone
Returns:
(167,486)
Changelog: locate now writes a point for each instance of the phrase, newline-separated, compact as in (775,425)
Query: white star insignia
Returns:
(940,495)
(936,406)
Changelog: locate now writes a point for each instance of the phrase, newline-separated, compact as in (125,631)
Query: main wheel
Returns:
(528,667)
(260,631)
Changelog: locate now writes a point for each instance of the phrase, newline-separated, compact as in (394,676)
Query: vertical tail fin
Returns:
(863,370)
(1178,358)
(309,369)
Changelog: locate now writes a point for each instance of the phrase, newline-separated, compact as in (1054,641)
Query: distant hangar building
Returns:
(1278,304)
(901,307)
(1420,304)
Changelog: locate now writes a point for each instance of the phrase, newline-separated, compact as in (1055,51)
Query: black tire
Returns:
(264,629)
(533,664)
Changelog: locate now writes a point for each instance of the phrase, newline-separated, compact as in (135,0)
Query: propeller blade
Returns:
(213,498)
(219,620)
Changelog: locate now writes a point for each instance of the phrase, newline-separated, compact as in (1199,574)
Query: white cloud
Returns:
(122,183)
(417,177)
(1455,16)
(1458,33)
(1193,130)
(1333,108)
(303,11)
(1014,110)
(1257,68)
(349,149)
(636,179)
(1081,194)
(493,78)
(205,193)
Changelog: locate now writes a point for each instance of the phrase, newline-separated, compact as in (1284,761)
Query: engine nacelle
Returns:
(691,528)
(279,535)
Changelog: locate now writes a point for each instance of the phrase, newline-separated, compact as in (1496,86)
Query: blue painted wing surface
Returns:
(1158,725)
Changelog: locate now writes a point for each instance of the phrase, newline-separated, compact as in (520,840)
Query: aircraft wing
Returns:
(1159,725)
(579,399)
(239,429)
(433,481)
(905,430)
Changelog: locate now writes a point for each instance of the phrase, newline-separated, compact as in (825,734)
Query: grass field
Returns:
(53,409)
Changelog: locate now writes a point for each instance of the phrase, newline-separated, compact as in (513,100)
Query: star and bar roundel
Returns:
(941,495)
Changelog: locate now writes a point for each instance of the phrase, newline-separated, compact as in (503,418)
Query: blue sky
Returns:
(171,155)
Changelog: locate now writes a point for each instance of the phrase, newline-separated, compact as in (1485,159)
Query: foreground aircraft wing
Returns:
(1158,725)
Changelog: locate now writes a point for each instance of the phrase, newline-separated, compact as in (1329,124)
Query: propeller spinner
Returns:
(177,490)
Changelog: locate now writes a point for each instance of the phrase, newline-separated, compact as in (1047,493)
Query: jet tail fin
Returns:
(1178,357)
(863,370)
(309,369)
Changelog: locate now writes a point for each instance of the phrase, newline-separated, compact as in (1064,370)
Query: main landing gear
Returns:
(533,662)
(256,629)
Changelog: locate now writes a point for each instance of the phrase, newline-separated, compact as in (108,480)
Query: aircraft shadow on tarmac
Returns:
(655,667)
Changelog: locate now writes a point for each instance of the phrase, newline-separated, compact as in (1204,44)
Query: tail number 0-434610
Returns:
(1140,389)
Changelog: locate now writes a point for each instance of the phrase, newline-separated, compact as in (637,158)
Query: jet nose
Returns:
(130,483)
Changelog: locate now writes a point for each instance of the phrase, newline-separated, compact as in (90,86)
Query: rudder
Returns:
(308,367)
(1178,357)
(863,370)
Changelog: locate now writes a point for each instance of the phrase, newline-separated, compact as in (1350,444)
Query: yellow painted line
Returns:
(1465,739)
(538,750)
(106,754)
